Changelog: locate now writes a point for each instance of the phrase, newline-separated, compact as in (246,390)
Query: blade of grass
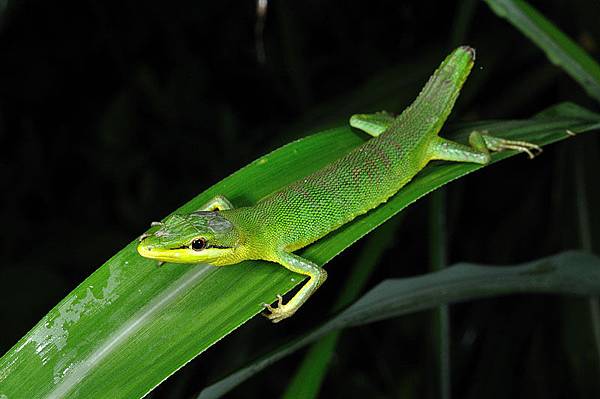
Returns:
(570,272)
(130,325)
(560,49)
(307,380)
(440,329)
(441,316)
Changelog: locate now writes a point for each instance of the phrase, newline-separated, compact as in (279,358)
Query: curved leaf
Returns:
(130,324)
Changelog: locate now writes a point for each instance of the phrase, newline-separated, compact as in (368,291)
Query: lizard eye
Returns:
(198,244)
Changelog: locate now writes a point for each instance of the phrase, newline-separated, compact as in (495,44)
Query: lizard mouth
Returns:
(208,246)
(184,254)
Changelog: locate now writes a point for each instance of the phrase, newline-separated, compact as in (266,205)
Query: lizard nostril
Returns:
(144,249)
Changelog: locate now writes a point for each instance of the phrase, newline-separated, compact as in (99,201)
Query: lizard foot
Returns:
(281,312)
(498,144)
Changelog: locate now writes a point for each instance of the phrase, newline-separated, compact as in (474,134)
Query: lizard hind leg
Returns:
(479,148)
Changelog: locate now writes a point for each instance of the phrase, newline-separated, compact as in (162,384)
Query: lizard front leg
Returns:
(297,264)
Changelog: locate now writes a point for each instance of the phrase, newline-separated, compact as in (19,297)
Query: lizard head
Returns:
(198,237)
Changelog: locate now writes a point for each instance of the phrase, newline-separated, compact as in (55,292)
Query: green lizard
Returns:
(308,209)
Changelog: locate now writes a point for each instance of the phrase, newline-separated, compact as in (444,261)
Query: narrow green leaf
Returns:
(570,272)
(130,325)
(560,49)
(440,329)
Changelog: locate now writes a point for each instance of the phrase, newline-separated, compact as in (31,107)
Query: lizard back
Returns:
(359,181)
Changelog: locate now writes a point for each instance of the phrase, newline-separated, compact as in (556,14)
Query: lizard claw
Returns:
(278,313)
(499,144)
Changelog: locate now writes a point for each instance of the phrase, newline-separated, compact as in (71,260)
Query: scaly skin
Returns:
(308,209)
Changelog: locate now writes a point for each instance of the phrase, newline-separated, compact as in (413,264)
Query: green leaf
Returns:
(130,325)
(566,273)
(440,318)
(560,49)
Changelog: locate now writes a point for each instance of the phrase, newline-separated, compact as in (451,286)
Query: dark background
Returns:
(114,113)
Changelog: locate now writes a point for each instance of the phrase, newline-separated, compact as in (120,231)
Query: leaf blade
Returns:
(129,325)
(560,49)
